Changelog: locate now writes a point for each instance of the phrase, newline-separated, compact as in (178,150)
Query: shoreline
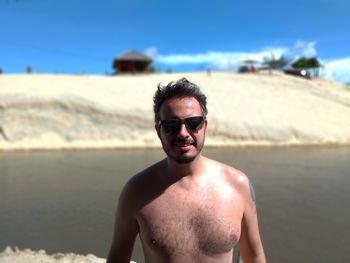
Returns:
(157,148)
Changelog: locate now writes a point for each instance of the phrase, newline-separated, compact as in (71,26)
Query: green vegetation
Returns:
(309,64)
(276,63)
(306,63)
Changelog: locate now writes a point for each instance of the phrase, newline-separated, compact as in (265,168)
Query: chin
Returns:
(181,157)
(184,159)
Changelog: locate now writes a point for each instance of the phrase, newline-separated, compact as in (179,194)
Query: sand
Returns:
(43,111)
(10,255)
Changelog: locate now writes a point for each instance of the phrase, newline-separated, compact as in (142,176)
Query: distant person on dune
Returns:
(186,207)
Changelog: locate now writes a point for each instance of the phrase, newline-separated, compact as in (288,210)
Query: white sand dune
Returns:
(10,255)
(15,255)
(41,111)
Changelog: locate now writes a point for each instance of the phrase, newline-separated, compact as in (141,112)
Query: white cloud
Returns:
(337,69)
(152,52)
(217,59)
(306,49)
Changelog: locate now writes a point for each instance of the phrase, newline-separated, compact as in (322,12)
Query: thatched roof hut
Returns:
(132,61)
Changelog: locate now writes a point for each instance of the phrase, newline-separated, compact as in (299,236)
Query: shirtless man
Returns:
(186,208)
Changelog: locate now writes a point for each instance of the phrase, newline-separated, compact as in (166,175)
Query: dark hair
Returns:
(180,89)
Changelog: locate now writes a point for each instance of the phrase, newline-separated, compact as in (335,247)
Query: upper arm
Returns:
(250,242)
(125,228)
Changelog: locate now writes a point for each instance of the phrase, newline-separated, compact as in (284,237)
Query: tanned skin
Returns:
(186,208)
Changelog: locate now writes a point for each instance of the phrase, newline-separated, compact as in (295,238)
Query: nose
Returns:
(183,130)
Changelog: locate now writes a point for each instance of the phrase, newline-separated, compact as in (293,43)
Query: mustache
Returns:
(182,140)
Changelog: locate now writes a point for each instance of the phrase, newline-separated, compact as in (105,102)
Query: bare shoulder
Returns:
(145,177)
(235,178)
(140,185)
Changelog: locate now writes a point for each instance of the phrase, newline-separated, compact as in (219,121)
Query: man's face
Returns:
(184,145)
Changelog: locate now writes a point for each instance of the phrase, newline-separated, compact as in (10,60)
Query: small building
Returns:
(132,61)
(249,65)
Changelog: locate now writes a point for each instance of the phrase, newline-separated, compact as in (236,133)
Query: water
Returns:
(65,201)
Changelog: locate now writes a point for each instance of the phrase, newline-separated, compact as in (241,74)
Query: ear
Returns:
(205,123)
(157,127)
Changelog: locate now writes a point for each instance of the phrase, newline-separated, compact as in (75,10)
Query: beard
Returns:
(182,158)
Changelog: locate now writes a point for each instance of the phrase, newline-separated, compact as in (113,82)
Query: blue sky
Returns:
(78,36)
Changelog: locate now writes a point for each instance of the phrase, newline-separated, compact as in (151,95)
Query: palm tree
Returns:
(276,63)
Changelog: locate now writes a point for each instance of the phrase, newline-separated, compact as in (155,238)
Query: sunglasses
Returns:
(193,124)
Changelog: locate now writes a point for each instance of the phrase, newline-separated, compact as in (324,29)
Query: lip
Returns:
(183,145)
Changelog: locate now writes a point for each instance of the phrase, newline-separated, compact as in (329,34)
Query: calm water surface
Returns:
(65,201)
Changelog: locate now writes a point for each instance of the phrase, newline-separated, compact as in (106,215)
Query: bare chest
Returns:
(175,224)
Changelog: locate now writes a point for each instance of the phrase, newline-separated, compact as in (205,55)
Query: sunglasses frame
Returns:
(179,122)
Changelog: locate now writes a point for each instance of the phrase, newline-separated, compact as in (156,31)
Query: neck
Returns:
(180,170)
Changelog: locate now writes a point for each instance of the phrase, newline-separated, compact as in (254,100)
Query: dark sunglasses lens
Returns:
(194,123)
(171,126)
